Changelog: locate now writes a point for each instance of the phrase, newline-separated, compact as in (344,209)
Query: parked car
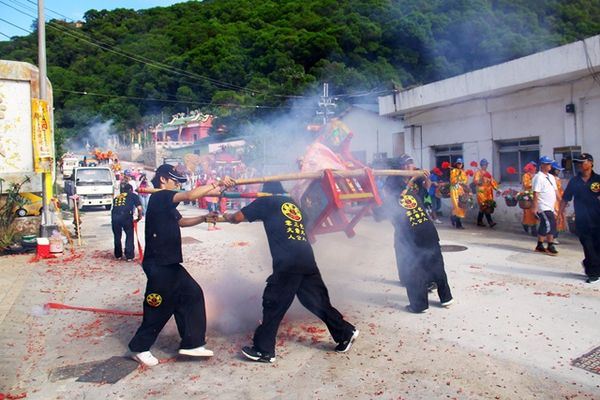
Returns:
(33,205)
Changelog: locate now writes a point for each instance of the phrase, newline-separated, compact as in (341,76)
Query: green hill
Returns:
(245,59)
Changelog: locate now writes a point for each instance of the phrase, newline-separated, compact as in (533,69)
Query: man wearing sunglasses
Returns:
(585,190)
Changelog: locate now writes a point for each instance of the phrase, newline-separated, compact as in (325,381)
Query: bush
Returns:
(10,202)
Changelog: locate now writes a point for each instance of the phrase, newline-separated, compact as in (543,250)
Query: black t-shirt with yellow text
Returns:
(411,222)
(124,204)
(285,229)
(163,234)
(587,202)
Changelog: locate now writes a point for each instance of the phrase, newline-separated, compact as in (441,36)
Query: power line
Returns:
(16,26)
(4,34)
(86,93)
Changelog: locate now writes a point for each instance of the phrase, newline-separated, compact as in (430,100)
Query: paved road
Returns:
(518,321)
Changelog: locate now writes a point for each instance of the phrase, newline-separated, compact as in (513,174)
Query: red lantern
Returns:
(445,165)
(474,164)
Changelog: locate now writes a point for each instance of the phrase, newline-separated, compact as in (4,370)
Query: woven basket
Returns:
(510,202)
(525,204)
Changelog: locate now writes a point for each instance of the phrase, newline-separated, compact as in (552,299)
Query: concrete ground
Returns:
(519,320)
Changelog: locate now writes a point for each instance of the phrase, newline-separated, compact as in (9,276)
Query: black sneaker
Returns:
(540,248)
(592,279)
(410,309)
(345,345)
(255,355)
(551,249)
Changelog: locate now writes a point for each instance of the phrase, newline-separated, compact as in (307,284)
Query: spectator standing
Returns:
(585,190)
(544,198)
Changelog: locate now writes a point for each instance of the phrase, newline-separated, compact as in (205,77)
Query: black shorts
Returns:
(547,223)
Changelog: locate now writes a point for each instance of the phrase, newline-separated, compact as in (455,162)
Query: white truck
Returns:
(95,186)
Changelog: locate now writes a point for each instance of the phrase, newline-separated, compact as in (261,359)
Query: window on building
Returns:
(447,153)
(516,154)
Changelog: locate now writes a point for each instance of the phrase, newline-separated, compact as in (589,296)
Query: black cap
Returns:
(168,171)
(273,187)
(584,157)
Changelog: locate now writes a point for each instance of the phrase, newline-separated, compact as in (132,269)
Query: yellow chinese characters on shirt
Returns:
(294,227)
(415,213)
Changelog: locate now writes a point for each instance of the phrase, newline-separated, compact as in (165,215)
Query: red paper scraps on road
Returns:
(240,244)
(65,260)
(8,396)
(59,306)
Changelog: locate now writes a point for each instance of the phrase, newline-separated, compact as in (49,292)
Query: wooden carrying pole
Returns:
(314,175)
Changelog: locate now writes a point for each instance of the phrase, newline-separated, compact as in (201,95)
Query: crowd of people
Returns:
(545,200)
(409,205)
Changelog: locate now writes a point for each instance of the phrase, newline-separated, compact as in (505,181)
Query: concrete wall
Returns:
(374,134)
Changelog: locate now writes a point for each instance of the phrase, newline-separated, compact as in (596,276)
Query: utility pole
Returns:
(326,104)
(47,225)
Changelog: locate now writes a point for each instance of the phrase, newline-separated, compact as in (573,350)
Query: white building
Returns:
(547,103)
(374,137)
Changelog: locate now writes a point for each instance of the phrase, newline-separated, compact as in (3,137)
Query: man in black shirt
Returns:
(416,243)
(122,220)
(585,189)
(295,273)
(170,289)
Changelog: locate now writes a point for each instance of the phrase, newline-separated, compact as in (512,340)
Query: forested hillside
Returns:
(244,59)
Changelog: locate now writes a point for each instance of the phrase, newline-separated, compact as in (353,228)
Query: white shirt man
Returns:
(544,185)
(544,199)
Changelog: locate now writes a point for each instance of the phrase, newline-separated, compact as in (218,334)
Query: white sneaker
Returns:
(197,352)
(438,221)
(146,358)
(447,303)
(555,241)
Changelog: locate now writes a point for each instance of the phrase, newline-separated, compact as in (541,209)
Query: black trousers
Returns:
(120,225)
(171,290)
(488,217)
(419,269)
(590,240)
(312,293)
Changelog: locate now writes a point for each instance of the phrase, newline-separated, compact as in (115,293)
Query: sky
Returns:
(22,13)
